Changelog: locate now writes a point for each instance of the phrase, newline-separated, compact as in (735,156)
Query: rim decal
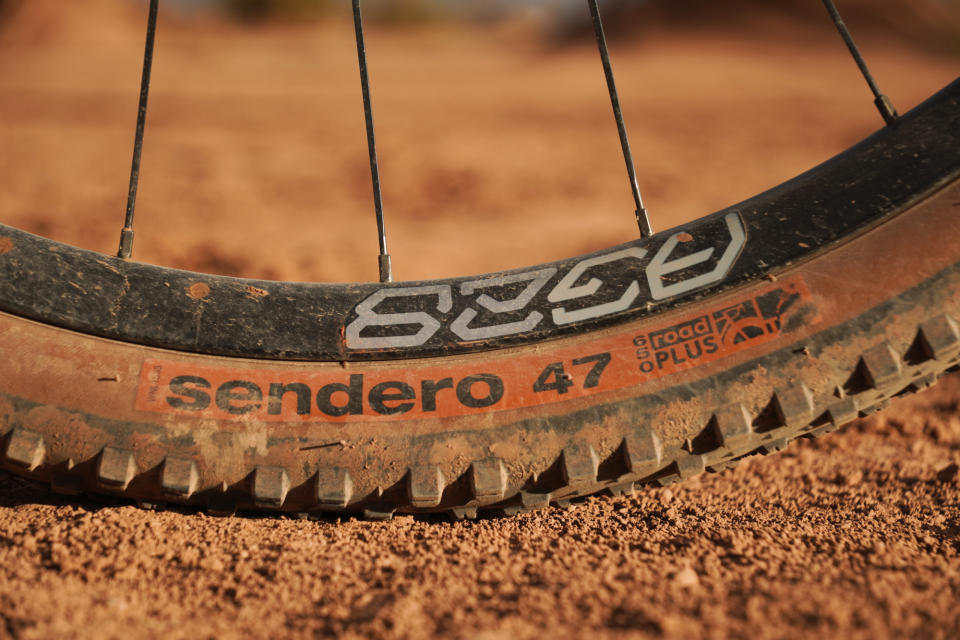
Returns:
(594,287)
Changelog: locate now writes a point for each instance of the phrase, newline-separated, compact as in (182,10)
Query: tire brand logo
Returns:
(328,392)
(721,331)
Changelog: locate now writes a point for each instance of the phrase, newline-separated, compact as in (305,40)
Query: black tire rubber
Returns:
(164,385)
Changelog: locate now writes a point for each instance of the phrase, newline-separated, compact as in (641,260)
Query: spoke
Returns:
(126,234)
(643,220)
(880,100)
(386,269)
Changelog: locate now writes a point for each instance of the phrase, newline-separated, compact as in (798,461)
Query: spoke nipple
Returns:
(386,268)
(643,221)
(126,243)
(890,115)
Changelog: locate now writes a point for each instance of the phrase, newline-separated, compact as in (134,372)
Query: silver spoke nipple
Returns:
(386,268)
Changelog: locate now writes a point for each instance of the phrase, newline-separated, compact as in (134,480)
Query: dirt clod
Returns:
(948,473)
(198,290)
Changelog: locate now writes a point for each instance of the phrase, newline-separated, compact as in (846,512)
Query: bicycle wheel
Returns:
(647,362)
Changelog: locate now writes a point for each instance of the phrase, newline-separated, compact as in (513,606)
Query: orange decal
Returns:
(423,390)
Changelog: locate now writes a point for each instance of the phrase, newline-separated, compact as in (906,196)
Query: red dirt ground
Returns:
(497,151)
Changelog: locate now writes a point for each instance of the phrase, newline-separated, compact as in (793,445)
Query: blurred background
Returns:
(565,18)
(498,147)
(936,22)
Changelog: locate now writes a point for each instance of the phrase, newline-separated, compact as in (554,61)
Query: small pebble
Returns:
(686,578)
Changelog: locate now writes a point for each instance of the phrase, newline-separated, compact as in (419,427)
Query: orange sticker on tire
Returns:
(495,384)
